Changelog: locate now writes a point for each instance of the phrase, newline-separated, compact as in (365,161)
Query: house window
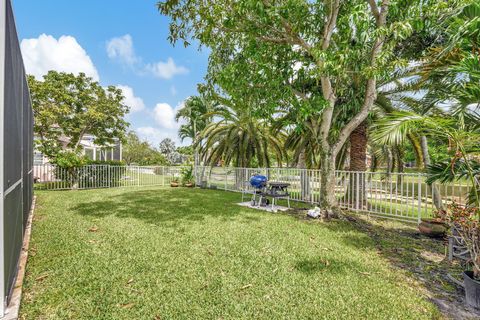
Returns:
(37,158)
(89,153)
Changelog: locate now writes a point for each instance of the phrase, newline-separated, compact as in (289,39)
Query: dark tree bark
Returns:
(436,195)
(358,148)
(358,163)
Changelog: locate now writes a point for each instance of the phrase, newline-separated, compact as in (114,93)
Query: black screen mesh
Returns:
(18,152)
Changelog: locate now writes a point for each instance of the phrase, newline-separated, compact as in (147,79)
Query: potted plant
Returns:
(188,177)
(434,227)
(465,223)
(174,182)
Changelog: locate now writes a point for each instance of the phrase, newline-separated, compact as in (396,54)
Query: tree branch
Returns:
(374,9)
(327,89)
(331,24)
(371,86)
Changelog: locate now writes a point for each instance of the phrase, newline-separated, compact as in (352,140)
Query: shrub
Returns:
(88,174)
(187,175)
(465,221)
(158,171)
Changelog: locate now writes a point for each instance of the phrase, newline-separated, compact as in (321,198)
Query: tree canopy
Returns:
(66,107)
(319,59)
(136,151)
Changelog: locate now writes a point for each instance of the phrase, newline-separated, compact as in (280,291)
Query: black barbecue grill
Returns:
(264,190)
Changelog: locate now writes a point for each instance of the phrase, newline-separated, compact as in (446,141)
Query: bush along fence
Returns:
(400,196)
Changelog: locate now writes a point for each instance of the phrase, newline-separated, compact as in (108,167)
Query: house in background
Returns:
(112,152)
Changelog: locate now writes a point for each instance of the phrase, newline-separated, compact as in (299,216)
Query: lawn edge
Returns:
(13,309)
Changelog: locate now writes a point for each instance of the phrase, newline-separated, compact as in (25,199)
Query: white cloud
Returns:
(46,53)
(154,136)
(167,127)
(166,70)
(121,48)
(164,115)
(135,103)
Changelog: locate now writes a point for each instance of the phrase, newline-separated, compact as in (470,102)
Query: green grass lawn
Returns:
(164,253)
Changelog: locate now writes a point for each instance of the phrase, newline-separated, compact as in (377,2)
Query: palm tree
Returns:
(195,112)
(449,78)
(463,138)
(239,138)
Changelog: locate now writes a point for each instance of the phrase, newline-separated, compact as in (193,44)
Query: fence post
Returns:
(419,213)
(163,176)
(357,191)
(226,175)
(109,177)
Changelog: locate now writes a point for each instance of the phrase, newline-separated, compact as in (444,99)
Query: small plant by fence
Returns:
(400,196)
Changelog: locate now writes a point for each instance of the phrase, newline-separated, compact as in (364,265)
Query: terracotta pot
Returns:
(432,228)
(173,184)
(189,185)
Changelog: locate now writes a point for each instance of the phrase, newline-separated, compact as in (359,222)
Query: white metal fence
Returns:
(401,196)
(50,177)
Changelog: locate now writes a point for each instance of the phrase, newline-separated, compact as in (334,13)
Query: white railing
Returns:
(50,177)
(401,196)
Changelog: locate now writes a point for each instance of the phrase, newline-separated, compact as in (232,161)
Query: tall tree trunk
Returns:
(358,164)
(328,202)
(399,154)
(417,148)
(436,196)
(390,161)
(196,159)
(342,158)
(374,163)
(304,179)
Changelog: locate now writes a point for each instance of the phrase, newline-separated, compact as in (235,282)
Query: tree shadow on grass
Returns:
(422,258)
(318,264)
(165,206)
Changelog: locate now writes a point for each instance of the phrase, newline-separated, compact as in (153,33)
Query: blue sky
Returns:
(121,42)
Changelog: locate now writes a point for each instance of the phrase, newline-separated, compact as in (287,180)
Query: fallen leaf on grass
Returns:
(365,273)
(42,277)
(93,229)
(130,281)
(127,305)
(157,318)
(432,256)
(32,251)
(92,241)
(246,286)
